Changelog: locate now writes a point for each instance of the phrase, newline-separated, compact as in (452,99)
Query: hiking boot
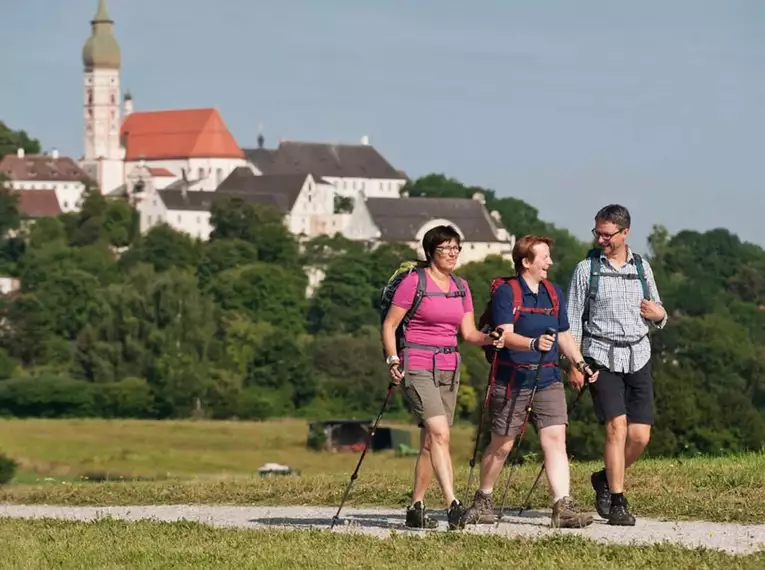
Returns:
(602,494)
(416,517)
(456,515)
(566,515)
(620,515)
(482,511)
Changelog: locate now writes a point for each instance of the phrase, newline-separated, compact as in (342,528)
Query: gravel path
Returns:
(733,538)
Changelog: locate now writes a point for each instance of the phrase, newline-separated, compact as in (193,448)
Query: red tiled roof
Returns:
(188,133)
(38,203)
(160,172)
(41,167)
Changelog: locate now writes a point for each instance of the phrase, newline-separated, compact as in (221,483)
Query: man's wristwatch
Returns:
(580,366)
(391,359)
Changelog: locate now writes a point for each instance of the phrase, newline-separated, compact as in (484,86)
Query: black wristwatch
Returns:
(580,366)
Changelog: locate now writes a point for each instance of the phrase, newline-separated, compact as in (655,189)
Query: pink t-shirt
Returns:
(435,323)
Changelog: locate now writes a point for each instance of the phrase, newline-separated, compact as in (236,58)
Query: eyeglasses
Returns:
(446,249)
(606,237)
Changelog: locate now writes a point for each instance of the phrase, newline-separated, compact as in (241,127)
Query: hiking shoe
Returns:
(602,494)
(456,515)
(416,517)
(482,511)
(566,515)
(619,515)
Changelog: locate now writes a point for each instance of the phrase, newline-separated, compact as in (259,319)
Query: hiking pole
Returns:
(525,505)
(551,332)
(492,368)
(363,453)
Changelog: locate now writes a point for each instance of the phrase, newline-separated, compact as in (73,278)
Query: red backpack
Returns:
(486,319)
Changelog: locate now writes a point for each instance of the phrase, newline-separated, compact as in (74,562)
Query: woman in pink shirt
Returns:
(427,360)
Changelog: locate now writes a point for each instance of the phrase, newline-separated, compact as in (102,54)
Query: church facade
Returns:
(174,164)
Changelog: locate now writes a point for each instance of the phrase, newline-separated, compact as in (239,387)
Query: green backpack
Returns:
(595,274)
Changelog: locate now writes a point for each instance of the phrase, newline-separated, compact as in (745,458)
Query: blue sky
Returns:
(567,105)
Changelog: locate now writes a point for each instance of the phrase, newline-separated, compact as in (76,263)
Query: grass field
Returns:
(115,544)
(215,462)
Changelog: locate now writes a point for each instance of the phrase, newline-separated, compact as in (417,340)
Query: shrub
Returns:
(7,469)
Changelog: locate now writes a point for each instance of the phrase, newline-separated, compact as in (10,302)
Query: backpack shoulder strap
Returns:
(594,256)
(460,283)
(517,298)
(641,275)
(419,293)
(592,288)
(553,294)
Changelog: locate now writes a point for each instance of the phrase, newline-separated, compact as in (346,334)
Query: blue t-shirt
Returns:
(530,325)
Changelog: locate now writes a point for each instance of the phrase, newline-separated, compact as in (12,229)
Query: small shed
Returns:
(352,435)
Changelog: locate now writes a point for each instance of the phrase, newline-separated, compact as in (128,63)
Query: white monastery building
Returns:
(174,164)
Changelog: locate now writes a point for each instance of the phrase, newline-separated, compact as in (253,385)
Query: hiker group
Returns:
(601,327)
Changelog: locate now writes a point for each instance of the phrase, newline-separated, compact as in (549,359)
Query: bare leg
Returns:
(494,459)
(553,442)
(423,469)
(616,437)
(440,457)
(638,436)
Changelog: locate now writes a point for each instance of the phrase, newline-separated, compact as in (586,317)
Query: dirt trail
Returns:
(733,538)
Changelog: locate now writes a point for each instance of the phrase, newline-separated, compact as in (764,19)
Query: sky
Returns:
(659,106)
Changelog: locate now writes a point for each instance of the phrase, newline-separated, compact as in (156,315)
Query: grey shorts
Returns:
(431,393)
(507,414)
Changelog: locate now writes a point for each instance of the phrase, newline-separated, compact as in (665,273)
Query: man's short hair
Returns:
(614,214)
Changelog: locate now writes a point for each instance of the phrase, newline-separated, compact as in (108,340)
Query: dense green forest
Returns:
(112,323)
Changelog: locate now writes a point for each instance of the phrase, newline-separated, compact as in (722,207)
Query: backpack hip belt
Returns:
(517,365)
(436,350)
(614,343)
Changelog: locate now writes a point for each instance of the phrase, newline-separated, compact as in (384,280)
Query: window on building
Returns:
(218,177)
(179,218)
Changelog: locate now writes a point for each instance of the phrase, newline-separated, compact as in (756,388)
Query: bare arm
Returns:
(569,347)
(388,330)
(472,335)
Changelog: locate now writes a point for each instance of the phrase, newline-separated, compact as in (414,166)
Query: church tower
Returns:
(101,60)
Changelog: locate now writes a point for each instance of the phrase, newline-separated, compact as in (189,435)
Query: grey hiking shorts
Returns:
(507,413)
(431,393)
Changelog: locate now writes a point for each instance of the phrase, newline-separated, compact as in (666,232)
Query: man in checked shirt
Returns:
(615,340)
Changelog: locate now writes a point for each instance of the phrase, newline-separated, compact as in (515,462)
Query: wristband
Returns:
(532,344)
(391,359)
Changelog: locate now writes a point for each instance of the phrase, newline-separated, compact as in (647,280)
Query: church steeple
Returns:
(101,50)
(101,59)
